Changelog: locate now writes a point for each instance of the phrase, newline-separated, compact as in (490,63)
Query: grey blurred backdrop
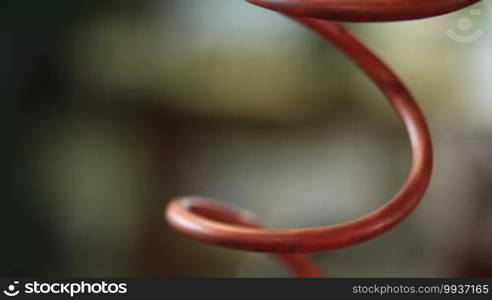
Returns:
(111,108)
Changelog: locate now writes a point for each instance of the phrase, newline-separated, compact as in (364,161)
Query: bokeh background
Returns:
(111,108)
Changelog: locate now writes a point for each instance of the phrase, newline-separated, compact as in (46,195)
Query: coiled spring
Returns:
(213,222)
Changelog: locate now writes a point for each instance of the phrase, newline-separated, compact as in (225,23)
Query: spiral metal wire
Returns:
(213,222)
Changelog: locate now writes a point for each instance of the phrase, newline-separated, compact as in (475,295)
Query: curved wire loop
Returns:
(213,222)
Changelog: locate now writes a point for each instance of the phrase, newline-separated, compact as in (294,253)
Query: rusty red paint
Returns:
(213,222)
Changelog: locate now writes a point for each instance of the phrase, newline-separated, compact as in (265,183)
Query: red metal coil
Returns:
(213,222)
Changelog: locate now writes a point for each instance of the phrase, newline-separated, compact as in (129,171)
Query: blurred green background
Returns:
(111,108)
